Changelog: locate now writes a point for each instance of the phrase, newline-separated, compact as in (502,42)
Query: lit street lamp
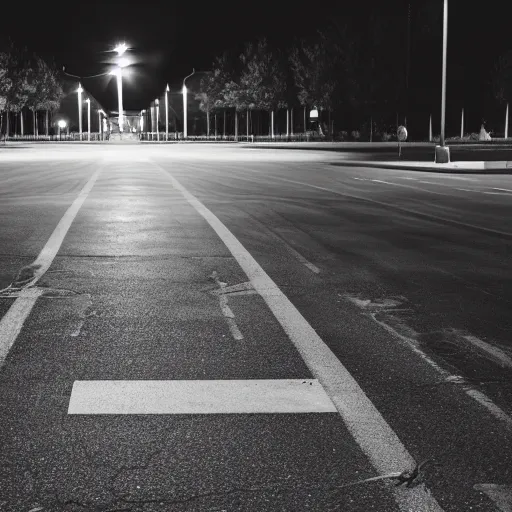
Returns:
(166,114)
(61,124)
(80,91)
(184,90)
(88,119)
(121,63)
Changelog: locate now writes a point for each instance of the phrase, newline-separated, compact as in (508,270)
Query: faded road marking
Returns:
(494,352)
(12,322)
(411,342)
(370,430)
(501,495)
(292,396)
(226,310)
(420,215)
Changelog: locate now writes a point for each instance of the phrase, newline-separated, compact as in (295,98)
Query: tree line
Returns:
(27,81)
(347,68)
(358,69)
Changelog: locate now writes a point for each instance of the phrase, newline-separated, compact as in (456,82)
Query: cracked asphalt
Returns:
(410,272)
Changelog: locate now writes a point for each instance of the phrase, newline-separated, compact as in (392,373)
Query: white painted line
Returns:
(412,343)
(53,244)
(12,322)
(503,189)
(376,438)
(501,495)
(291,396)
(399,208)
(497,354)
(466,190)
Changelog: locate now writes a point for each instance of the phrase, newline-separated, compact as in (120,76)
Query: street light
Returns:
(88,119)
(80,91)
(61,124)
(120,48)
(121,63)
(157,112)
(166,114)
(443,152)
(184,90)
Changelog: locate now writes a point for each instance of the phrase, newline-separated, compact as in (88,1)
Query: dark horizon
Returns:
(167,42)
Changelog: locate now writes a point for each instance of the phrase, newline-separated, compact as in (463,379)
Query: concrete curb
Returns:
(452,168)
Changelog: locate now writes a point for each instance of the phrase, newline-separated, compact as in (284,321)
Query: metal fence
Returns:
(63,137)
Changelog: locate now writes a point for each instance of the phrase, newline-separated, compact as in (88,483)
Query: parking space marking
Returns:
(370,430)
(290,396)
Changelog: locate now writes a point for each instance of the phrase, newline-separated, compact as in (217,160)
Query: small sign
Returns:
(402,133)
(314,114)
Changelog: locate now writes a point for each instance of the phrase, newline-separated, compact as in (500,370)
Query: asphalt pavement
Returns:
(208,328)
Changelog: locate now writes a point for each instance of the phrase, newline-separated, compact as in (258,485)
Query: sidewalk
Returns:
(491,167)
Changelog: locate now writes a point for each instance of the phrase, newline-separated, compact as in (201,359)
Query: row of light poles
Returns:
(156,114)
(80,90)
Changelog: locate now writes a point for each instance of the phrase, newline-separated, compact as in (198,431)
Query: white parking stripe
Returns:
(370,430)
(297,396)
(12,322)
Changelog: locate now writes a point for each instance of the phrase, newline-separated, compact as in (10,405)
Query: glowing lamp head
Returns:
(184,90)
(121,48)
(88,100)
(157,102)
(62,123)
(122,63)
(167,88)
(80,89)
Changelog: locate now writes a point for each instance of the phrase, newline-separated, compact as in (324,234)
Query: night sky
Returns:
(170,38)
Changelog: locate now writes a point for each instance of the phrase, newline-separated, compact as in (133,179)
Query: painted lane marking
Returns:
(494,352)
(501,495)
(12,322)
(503,189)
(226,310)
(411,342)
(411,187)
(420,215)
(291,396)
(466,190)
(376,438)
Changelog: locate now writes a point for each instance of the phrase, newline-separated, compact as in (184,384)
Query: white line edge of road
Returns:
(376,438)
(12,322)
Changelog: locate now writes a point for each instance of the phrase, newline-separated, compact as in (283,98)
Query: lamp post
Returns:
(80,91)
(166,114)
(121,63)
(185,131)
(157,114)
(442,151)
(100,135)
(88,101)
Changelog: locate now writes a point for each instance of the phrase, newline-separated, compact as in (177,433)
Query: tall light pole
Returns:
(185,134)
(80,91)
(99,124)
(442,151)
(166,114)
(88,101)
(121,63)
(157,112)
